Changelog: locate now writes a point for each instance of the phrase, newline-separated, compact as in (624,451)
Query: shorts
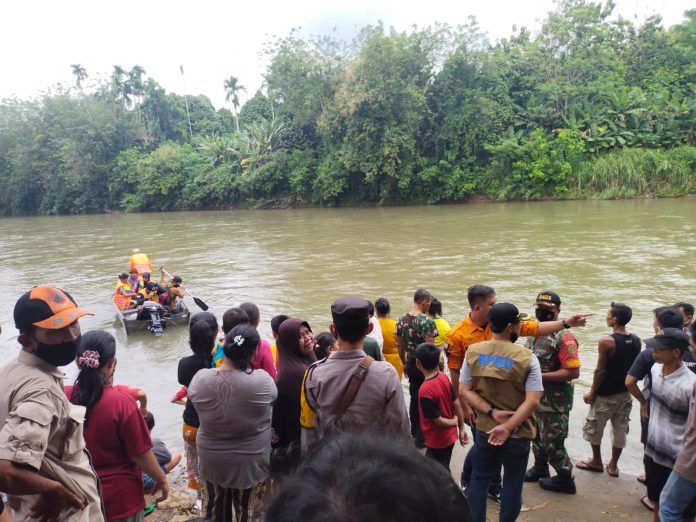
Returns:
(615,408)
(656,476)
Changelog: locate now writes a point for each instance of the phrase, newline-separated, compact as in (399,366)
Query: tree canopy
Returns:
(590,106)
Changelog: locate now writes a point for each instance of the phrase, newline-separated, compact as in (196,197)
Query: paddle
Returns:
(199,302)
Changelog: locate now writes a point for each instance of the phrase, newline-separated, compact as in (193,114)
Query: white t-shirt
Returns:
(376,332)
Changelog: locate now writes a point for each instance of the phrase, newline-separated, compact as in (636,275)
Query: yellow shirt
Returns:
(389,351)
(443,328)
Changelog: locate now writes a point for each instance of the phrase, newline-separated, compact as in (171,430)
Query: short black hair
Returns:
(428,354)
(232,318)
(370,308)
(687,307)
(150,420)
(359,476)
(382,306)
(435,307)
(668,317)
(252,312)
(421,295)
(277,321)
(478,293)
(351,328)
(324,341)
(621,312)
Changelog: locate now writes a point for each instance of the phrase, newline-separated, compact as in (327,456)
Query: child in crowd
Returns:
(326,343)
(275,326)
(165,458)
(135,393)
(441,414)
(179,397)
(263,358)
(231,318)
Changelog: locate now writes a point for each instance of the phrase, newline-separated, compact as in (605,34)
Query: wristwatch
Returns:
(490,412)
(565,324)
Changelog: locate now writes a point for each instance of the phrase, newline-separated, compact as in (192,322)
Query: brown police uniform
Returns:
(379,397)
(41,429)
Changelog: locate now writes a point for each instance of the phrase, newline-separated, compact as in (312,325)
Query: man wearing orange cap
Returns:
(40,430)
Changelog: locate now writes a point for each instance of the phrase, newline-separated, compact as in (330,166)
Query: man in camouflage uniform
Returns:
(558,357)
(412,329)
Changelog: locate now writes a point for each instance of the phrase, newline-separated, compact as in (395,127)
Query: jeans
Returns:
(415,380)
(469,465)
(513,455)
(676,496)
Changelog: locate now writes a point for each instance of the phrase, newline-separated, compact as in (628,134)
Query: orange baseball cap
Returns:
(46,307)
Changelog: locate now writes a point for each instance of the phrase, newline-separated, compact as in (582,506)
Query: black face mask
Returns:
(514,337)
(543,314)
(58,354)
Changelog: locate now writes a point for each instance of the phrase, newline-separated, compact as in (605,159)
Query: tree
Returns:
(79,73)
(232,90)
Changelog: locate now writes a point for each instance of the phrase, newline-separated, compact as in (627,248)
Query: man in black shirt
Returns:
(608,397)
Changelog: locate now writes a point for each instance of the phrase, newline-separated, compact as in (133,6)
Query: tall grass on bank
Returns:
(635,172)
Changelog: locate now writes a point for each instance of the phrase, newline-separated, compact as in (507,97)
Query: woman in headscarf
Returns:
(296,353)
(203,329)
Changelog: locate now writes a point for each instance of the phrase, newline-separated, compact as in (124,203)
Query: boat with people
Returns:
(143,305)
(156,320)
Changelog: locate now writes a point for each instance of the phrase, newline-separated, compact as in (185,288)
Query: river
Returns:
(297,261)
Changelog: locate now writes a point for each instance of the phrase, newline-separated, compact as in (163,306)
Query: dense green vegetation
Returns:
(591,106)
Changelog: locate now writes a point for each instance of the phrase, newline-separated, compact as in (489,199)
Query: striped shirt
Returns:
(669,409)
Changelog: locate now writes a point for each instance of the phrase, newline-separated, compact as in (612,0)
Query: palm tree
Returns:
(232,90)
(79,73)
(119,87)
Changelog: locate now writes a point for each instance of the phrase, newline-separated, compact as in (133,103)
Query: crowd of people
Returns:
(136,288)
(314,426)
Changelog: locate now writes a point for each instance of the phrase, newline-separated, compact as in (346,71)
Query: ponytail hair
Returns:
(202,330)
(97,349)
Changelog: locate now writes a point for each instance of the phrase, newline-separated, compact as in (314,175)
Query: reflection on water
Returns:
(296,261)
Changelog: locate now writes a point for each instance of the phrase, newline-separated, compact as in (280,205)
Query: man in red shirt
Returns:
(441,415)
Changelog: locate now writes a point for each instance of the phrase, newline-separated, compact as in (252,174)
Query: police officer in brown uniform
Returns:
(348,384)
(44,466)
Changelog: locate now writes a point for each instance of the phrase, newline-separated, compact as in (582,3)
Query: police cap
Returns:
(356,307)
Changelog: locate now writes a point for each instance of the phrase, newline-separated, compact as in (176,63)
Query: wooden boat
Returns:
(129,320)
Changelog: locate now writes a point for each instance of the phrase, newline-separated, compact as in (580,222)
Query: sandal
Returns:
(641,479)
(585,465)
(614,474)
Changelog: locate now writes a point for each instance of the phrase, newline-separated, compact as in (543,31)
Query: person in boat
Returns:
(134,281)
(140,262)
(123,293)
(175,291)
(155,292)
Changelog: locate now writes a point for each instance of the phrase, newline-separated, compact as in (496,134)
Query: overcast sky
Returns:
(215,39)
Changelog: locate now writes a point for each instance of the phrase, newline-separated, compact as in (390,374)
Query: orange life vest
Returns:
(141,263)
(121,301)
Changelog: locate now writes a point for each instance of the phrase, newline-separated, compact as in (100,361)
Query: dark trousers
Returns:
(513,456)
(441,455)
(415,380)
(469,465)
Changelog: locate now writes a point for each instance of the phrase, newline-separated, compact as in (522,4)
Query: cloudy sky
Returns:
(214,39)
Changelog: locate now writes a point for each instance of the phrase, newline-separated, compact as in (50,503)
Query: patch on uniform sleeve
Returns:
(568,352)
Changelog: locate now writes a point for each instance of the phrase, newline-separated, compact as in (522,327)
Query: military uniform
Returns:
(554,353)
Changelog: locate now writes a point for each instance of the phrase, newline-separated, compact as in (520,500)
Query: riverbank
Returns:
(599,498)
